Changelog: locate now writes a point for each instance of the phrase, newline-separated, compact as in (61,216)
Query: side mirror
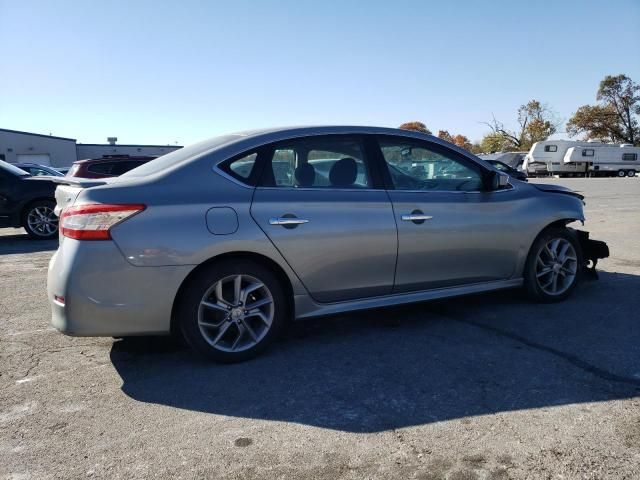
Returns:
(497,180)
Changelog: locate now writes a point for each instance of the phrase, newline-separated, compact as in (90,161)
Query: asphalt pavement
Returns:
(484,387)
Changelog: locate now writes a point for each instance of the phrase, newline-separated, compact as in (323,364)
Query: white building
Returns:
(26,147)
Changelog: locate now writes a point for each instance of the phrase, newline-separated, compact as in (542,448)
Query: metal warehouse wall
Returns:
(87,150)
(61,151)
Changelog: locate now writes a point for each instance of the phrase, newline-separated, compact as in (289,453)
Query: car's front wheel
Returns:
(553,266)
(40,221)
(232,310)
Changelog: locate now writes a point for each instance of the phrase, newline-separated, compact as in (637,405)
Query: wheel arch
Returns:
(25,206)
(263,260)
(557,223)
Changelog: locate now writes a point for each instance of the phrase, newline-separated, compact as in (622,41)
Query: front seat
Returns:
(305,175)
(344,172)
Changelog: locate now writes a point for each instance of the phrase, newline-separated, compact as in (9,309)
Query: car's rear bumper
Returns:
(101,294)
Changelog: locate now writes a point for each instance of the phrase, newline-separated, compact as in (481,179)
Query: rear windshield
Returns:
(12,169)
(178,156)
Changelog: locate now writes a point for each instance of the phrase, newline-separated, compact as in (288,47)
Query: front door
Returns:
(450,231)
(318,203)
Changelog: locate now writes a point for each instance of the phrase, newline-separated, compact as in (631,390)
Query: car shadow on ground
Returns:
(22,243)
(397,367)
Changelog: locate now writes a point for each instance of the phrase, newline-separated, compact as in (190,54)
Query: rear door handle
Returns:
(416,217)
(287,221)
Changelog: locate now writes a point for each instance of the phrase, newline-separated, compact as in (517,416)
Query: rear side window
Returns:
(241,168)
(550,148)
(103,168)
(118,168)
(318,162)
(629,156)
(588,152)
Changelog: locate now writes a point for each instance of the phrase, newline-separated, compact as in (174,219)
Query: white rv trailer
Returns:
(605,159)
(547,155)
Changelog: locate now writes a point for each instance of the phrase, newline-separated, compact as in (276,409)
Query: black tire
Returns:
(532,285)
(189,310)
(42,232)
(631,173)
(622,173)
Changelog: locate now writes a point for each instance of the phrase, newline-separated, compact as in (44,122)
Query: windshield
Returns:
(178,156)
(12,169)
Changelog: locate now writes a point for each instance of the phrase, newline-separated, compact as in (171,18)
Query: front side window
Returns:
(420,167)
(550,148)
(629,156)
(38,172)
(588,152)
(321,162)
(500,166)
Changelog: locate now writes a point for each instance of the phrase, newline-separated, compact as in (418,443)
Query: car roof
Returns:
(278,133)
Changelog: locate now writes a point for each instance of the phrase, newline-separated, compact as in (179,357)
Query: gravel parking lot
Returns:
(487,387)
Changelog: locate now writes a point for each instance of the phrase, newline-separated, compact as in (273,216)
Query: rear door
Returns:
(450,231)
(322,205)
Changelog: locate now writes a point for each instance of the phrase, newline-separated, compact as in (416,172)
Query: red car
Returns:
(106,166)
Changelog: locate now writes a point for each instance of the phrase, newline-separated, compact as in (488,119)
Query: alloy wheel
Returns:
(42,221)
(236,313)
(556,266)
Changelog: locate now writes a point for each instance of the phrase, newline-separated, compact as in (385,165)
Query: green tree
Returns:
(536,122)
(495,142)
(416,126)
(615,117)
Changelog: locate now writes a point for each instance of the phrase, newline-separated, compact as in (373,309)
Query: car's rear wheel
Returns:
(553,266)
(40,221)
(232,310)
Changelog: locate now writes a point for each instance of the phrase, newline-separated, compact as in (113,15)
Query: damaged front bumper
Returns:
(592,251)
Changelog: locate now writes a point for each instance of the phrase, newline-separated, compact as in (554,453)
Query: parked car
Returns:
(63,170)
(27,201)
(226,240)
(38,170)
(503,167)
(107,166)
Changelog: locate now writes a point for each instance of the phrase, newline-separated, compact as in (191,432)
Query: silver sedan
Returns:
(226,240)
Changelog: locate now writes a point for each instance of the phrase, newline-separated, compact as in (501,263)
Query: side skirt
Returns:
(307,308)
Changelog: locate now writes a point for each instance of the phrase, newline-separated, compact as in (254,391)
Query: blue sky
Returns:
(160,72)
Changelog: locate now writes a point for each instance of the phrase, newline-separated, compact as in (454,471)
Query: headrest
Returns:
(344,172)
(305,175)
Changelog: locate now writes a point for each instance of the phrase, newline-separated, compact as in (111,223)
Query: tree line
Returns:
(613,118)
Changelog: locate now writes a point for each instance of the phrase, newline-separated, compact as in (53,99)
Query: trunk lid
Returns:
(69,188)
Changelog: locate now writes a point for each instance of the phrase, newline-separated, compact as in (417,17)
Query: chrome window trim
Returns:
(225,175)
(322,189)
(330,189)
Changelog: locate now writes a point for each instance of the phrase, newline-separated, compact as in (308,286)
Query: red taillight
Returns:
(93,222)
